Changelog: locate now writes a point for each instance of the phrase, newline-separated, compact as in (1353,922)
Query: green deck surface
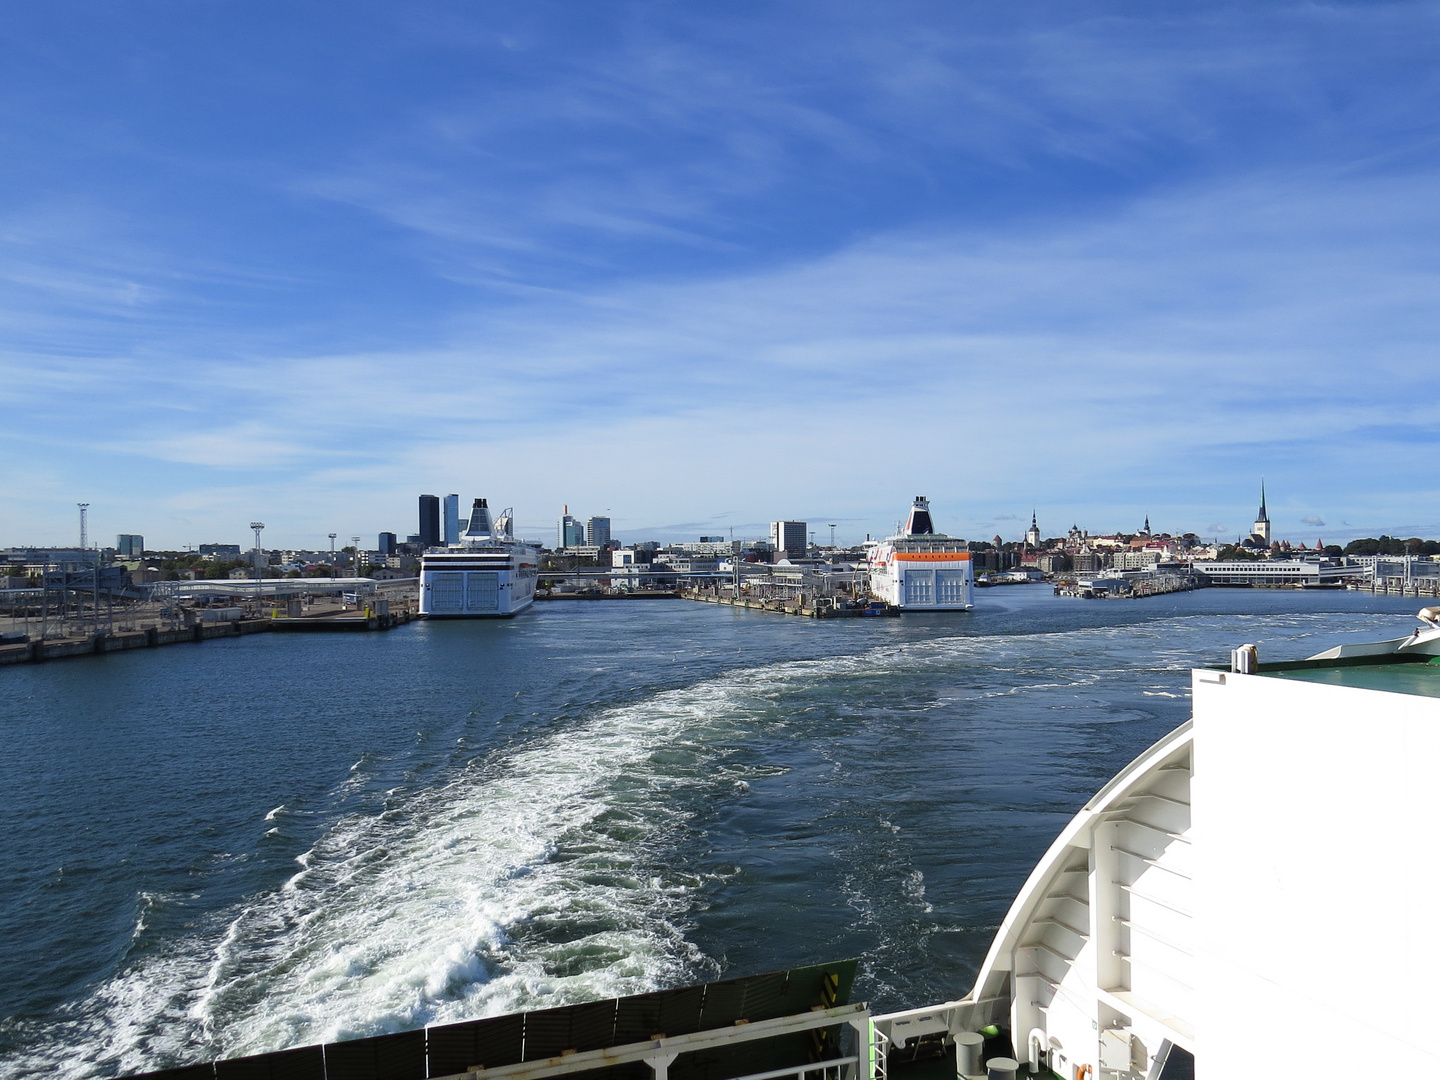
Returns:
(1421,679)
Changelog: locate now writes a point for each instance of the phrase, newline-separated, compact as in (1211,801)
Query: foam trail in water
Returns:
(534,879)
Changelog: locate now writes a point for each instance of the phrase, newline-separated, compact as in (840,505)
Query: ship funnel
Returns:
(919,523)
(480,527)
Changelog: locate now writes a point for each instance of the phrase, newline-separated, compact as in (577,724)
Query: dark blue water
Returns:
(249,844)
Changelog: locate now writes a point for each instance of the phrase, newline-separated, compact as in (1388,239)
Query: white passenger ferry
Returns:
(919,569)
(487,575)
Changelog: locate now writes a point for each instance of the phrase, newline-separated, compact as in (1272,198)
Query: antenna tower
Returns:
(84,534)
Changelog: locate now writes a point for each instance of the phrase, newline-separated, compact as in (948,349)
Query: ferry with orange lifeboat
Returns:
(919,569)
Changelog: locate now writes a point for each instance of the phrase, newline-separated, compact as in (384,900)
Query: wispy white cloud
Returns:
(666,261)
(1148,338)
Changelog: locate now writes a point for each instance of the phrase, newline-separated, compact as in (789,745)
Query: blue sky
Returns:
(705,265)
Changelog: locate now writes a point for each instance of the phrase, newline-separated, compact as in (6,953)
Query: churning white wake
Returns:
(535,878)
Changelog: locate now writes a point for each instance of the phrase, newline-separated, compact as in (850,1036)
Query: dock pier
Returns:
(1417,587)
(205,624)
(805,605)
(1118,588)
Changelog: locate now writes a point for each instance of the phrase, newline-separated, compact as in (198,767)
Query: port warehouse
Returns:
(1280,572)
(800,1020)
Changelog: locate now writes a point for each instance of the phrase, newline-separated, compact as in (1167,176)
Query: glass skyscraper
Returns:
(429,520)
(452,519)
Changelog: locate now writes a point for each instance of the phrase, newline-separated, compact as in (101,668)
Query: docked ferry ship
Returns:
(487,575)
(919,569)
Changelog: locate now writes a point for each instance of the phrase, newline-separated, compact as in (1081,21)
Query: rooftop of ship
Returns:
(484,536)
(918,533)
(1403,665)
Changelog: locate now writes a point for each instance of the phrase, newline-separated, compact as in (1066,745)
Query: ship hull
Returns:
(477,585)
(928,581)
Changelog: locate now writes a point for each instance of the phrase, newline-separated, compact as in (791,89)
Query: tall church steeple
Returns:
(1032,535)
(1261,529)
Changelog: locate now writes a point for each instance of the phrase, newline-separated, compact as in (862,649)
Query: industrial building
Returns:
(1281,571)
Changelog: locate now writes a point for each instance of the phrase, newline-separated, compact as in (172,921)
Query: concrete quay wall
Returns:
(31,652)
(34,652)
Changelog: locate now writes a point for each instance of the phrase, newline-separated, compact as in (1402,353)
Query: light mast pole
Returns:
(84,549)
(255,559)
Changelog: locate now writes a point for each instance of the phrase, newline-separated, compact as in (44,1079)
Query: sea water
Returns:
(222,849)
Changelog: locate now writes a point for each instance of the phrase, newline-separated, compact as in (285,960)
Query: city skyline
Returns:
(1010,527)
(667,264)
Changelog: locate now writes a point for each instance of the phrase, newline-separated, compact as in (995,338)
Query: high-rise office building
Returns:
(789,537)
(429,520)
(386,546)
(130,545)
(597,531)
(569,531)
(452,519)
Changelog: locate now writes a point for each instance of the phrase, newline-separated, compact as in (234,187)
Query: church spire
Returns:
(1260,531)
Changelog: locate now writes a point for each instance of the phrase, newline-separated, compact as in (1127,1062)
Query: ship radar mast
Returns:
(505,524)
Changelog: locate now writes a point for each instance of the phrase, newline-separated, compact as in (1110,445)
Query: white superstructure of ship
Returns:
(488,574)
(1247,898)
(919,569)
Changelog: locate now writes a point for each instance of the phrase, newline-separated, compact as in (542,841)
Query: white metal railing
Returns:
(799,1071)
(660,1052)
